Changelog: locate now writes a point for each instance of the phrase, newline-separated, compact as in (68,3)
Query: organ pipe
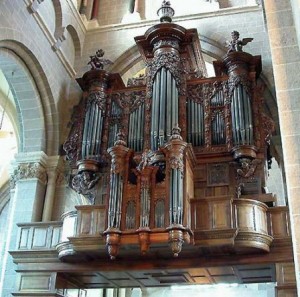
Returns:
(176,197)
(195,116)
(118,153)
(92,130)
(136,129)
(242,127)
(164,108)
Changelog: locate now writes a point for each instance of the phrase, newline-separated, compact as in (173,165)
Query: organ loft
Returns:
(173,167)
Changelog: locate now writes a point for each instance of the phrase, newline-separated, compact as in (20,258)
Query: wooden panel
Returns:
(215,271)
(245,214)
(39,236)
(283,292)
(24,238)
(36,282)
(286,280)
(55,236)
(260,220)
(221,214)
(91,220)
(69,225)
(279,222)
(200,173)
(166,277)
(212,213)
(84,223)
(201,216)
(285,274)
(217,174)
(251,215)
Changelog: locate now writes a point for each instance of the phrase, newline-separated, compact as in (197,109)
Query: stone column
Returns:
(29,179)
(53,170)
(286,63)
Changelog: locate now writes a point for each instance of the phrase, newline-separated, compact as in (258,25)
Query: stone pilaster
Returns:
(286,63)
(28,181)
(54,170)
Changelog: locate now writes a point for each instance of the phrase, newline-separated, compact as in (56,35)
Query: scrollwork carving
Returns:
(175,150)
(172,62)
(98,98)
(198,93)
(72,144)
(268,127)
(236,79)
(118,153)
(130,100)
(166,43)
(136,81)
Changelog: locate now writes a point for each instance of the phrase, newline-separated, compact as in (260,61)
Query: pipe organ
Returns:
(180,157)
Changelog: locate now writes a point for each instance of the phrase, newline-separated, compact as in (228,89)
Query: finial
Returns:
(176,133)
(236,45)
(97,62)
(166,12)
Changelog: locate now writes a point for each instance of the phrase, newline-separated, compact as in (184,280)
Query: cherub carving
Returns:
(166,3)
(248,167)
(97,62)
(236,45)
(84,182)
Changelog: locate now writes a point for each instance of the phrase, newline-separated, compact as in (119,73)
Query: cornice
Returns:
(178,19)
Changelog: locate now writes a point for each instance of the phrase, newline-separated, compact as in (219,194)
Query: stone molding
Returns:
(26,171)
(36,165)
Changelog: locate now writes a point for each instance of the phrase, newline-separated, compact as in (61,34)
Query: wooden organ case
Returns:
(174,163)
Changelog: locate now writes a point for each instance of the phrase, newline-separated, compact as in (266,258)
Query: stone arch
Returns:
(76,41)
(128,63)
(34,100)
(58,19)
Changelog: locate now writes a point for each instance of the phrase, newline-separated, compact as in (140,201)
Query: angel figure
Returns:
(166,3)
(97,61)
(236,45)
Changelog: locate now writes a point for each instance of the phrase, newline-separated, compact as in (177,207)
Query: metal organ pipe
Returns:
(241,117)
(136,129)
(176,197)
(92,130)
(195,116)
(164,108)
(169,106)
(175,102)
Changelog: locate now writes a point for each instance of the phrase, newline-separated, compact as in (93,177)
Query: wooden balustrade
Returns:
(91,220)
(251,216)
(279,222)
(244,225)
(39,236)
